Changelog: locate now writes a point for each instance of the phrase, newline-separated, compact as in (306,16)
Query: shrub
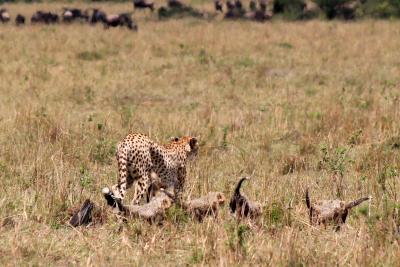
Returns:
(381,8)
(337,8)
(89,55)
(290,9)
(178,12)
(103,150)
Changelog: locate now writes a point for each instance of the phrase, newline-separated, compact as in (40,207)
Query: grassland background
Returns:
(266,100)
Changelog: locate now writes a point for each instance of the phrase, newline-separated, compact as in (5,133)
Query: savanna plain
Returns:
(294,105)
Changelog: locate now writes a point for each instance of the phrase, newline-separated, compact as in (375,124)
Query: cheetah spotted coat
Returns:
(139,157)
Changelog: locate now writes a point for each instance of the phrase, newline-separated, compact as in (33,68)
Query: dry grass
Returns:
(291,104)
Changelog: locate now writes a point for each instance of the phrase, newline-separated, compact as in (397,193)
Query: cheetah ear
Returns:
(221,197)
(193,142)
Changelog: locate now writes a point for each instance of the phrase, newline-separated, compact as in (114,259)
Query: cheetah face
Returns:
(220,198)
(188,143)
(192,147)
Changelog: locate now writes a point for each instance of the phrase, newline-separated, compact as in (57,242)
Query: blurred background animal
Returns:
(143,4)
(44,17)
(19,20)
(120,20)
(73,14)
(4,15)
(218,5)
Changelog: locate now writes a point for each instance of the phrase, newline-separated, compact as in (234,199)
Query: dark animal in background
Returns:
(123,19)
(241,206)
(330,211)
(255,14)
(37,17)
(72,14)
(44,17)
(143,4)
(230,5)
(238,5)
(235,10)
(175,4)
(263,5)
(67,16)
(218,6)
(253,5)
(84,215)
(4,15)
(19,20)
(97,16)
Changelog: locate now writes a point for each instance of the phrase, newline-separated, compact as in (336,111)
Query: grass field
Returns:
(294,105)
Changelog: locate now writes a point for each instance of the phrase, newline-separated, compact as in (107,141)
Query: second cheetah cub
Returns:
(330,211)
(241,206)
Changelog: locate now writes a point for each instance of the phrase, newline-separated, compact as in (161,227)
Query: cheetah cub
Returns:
(330,211)
(154,211)
(241,206)
(201,207)
(207,205)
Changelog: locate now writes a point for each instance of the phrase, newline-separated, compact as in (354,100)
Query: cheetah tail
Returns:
(308,202)
(309,206)
(237,189)
(356,202)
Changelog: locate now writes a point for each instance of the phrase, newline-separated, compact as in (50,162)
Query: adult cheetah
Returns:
(139,157)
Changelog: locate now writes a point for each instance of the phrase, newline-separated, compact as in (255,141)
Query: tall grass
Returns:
(294,105)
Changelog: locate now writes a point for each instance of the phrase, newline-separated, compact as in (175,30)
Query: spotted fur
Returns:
(139,157)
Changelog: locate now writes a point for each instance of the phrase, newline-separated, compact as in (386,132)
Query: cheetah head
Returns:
(191,147)
(189,143)
(221,198)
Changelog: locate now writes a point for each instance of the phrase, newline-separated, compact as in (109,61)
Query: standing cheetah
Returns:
(139,157)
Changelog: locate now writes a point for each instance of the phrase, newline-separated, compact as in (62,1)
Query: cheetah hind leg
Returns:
(141,189)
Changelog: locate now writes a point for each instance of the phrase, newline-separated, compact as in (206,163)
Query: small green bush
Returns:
(290,9)
(381,8)
(89,55)
(177,215)
(336,8)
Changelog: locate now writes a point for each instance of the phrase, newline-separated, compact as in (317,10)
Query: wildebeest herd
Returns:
(234,9)
(70,15)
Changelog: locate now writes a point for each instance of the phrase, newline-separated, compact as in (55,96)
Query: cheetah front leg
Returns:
(180,183)
(141,188)
(125,179)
